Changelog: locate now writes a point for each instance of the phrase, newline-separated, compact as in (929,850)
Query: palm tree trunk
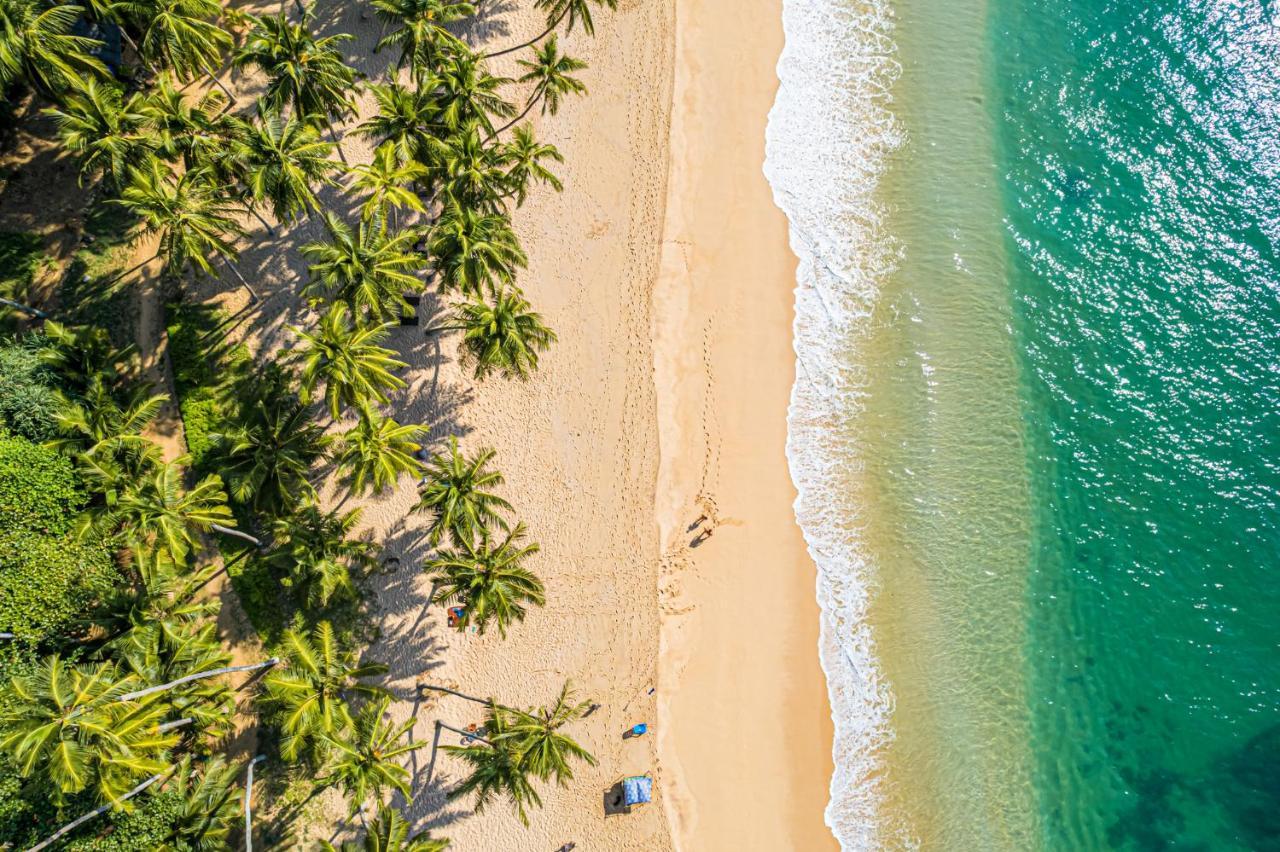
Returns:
(139,693)
(469,734)
(258,216)
(238,534)
(248,810)
(231,99)
(336,144)
(485,702)
(26,309)
(253,297)
(534,40)
(494,135)
(76,823)
(440,329)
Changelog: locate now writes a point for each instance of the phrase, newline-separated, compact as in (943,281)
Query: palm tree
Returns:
(557,11)
(470,171)
(504,337)
(167,651)
(495,769)
(458,496)
(390,833)
(66,724)
(36,45)
(194,222)
(267,452)
(549,72)
(318,553)
(180,34)
(465,91)
(487,580)
(474,252)
(306,74)
(101,128)
(209,805)
(377,451)
(279,161)
(157,512)
(365,759)
(386,180)
(309,695)
(536,737)
(346,357)
(523,156)
(157,595)
(83,354)
(421,36)
(405,119)
(184,127)
(97,422)
(369,269)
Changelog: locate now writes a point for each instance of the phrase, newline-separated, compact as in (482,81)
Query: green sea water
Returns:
(1072,425)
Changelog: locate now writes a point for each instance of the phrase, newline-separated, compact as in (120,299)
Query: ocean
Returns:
(1034,427)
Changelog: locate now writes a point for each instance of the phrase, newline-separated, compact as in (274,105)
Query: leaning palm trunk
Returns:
(484,701)
(248,810)
(26,309)
(129,696)
(76,823)
(337,145)
(253,297)
(539,37)
(494,135)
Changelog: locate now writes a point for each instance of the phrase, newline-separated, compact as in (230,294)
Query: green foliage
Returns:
(46,583)
(39,491)
(27,399)
(147,826)
(205,366)
(21,256)
(82,295)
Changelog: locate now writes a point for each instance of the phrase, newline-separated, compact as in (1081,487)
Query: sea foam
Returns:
(829,134)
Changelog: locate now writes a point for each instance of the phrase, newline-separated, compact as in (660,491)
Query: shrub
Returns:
(27,399)
(39,491)
(48,582)
(21,256)
(147,826)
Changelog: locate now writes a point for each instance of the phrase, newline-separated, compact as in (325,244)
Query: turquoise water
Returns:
(1138,152)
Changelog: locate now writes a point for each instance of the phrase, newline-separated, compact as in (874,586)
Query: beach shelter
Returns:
(628,792)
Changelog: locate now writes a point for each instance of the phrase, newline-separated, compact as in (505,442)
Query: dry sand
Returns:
(669,283)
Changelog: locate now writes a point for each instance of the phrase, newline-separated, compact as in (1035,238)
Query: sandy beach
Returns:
(664,269)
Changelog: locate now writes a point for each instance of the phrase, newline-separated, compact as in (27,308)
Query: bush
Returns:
(47,582)
(27,399)
(21,256)
(39,490)
(147,826)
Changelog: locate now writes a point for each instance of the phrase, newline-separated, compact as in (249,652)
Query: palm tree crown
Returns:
(502,337)
(550,73)
(474,252)
(36,45)
(180,34)
(536,736)
(279,162)
(369,269)
(386,182)
(406,119)
(346,357)
(465,91)
(365,761)
(103,129)
(306,74)
(184,127)
(488,580)
(523,156)
(421,35)
(457,493)
(495,769)
(377,451)
(317,552)
(390,833)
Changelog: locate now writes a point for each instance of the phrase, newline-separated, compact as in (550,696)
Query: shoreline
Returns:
(743,709)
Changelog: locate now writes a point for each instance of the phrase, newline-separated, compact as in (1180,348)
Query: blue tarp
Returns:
(637,789)
(109,36)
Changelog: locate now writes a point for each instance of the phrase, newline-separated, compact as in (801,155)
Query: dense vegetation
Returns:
(116,694)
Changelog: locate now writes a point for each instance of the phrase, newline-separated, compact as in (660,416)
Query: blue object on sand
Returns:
(637,789)
(637,730)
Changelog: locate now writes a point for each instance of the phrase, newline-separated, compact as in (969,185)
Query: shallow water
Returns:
(1034,427)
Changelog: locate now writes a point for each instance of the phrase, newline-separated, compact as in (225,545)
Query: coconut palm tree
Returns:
(97,423)
(523,156)
(496,770)
(421,35)
(317,553)
(406,119)
(36,46)
(181,35)
(464,91)
(535,735)
(102,129)
(369,269)
(66,724)
(474,253)
(386,182)
(487,580)
(192,218)
(308,696)
(157,595)
(156,511)
(186,128)
(269,446)
(346,358)
(550,73)
(307,75)
(502,337)
(374,453)
(280,161)
(390,833)
(209,805)
(365,757)
(469,171)
(557,11)
(457,493)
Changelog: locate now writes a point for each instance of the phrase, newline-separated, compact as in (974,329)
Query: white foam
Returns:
(829,134)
